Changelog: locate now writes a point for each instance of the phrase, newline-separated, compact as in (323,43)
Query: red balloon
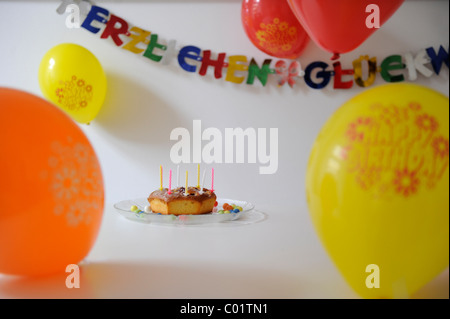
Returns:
(340,26)
(273,28)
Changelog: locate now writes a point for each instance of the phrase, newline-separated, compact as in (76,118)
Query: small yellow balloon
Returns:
(378,189)
(71,77)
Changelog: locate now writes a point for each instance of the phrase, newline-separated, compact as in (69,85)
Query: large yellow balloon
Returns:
(378,189)
(71,77)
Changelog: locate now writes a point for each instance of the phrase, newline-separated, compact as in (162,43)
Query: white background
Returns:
(146,100)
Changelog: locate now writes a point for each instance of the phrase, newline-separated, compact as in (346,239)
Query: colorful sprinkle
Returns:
(134,208)
(147,209)
(232,208)
(139,213)
(226,212)
(227,206)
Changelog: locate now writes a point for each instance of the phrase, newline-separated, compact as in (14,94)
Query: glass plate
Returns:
(124,208)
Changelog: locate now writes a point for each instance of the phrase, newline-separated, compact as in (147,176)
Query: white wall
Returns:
(146,100)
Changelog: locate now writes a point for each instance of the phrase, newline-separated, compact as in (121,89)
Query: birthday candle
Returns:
(186,189)
(212,179)
(160,178)
(203,179)
(198,176)
(170,182)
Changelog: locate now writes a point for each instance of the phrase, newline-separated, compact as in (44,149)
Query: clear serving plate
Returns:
(124,208)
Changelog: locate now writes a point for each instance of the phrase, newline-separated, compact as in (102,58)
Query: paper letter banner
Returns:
(241,69)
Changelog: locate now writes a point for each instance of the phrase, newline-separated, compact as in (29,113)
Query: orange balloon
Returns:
(51,187)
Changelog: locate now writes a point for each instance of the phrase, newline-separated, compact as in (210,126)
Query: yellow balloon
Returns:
(72,78)
(378,189)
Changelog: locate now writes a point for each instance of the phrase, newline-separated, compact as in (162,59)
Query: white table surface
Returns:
(278,257)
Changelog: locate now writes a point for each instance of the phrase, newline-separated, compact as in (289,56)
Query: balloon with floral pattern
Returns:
(52,188)
(378,184)
(273,28)
(71,77)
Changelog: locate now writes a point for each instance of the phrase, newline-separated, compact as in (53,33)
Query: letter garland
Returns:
(317,75)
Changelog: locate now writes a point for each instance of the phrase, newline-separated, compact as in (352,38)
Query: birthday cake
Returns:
(179,201)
